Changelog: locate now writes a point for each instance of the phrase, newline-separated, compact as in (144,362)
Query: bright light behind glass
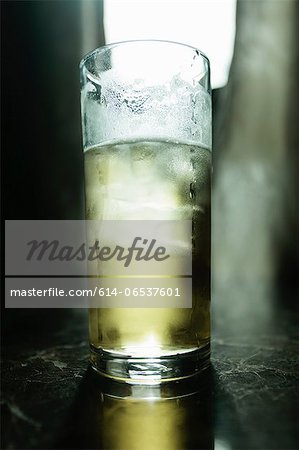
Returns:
(206,24)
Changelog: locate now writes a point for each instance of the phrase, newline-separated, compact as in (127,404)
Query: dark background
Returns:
(41,137)
(251,397)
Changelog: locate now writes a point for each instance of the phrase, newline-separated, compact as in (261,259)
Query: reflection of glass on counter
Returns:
(171,416)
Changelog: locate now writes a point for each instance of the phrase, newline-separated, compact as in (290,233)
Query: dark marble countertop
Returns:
(249,399)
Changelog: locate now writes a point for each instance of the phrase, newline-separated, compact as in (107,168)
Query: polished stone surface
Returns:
(249,399)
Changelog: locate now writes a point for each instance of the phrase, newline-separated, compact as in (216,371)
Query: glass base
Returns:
(150,370)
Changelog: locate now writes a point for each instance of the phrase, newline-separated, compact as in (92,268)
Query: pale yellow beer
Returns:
(153,180)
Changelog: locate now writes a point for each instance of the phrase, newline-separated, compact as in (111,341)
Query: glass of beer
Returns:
(146,121)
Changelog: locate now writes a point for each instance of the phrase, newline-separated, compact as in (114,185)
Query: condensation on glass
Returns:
(146,120)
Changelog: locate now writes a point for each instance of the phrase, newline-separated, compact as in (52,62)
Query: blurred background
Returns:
(253,48)
(253,51)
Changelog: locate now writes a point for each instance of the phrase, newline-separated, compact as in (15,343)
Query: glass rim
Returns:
(99,50)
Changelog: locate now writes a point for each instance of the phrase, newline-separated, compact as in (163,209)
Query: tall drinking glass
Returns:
(146,119)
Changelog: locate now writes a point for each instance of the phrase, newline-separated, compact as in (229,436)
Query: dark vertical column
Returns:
(256,176)
(41,136)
